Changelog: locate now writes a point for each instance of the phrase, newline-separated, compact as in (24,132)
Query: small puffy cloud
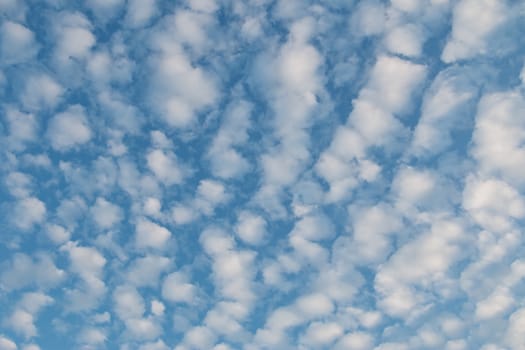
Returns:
(151,235)
(406,40)
(143,328)
(146,271)
(105,9)
(18,43)
(19,184)
(92,337)
(157,308)
(23,128)
(498,137)
(177,288)
(493,203)
(322,334)
(128,303)
(393,82)
(69,128)
(210,193)
(250,228)
(28,212)
(140,12)
(355,341)
(40,91)
(74,37)
(473,21)
(369,18)
(165,166)
(22,320)
(106,214)
(23,271)
(7,344)
(183,214)
(179,89)
(158,345)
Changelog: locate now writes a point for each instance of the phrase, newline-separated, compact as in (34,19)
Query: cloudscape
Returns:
(262,174)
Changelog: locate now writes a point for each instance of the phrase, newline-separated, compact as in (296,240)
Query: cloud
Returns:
(177,288)
(179,90)
(498,136)
(18,43)
(41,91)
(69,128)
(23,128)
(473,21)
(23,318)
(7,344)
(146,271)
(28,212)
(165,166)
(140,12)
(250,228)
(23,271)
(106,214)
(151,235)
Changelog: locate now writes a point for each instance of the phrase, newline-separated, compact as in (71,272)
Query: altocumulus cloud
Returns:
(262,174)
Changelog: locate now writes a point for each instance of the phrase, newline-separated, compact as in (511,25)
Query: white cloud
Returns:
(177,288)
(23,128)
(25,271)
(369,18)
(514,336)
(371,230)
(473,21)
(406,40)
(179,89)
(23,318)
(233,270)
(140,12)
(18,43)
(69,128)
(226,161)
(322,333)
(89,264)
(199,338)
(41,91)
(497,141)
(355,341)
(183,214)
(28,212)
(92,336)
(210,193)
(74,37)
(106,214)
(128,303)
(151,235)
(7,344)
(19,184)
(250,228)
(445,107)
(165,166)
(105,9)
(158,345)
(493,203)
(146,271)
(392,83)
(157,308)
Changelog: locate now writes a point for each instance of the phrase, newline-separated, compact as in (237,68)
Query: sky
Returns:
(262,174)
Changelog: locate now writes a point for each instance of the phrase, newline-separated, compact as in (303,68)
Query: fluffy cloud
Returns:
(151,235)
(18,43)
(69,128)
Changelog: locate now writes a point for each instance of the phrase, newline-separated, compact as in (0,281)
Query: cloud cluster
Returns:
(216,174)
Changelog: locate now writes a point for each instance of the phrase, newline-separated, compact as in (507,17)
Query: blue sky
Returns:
(262,174)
